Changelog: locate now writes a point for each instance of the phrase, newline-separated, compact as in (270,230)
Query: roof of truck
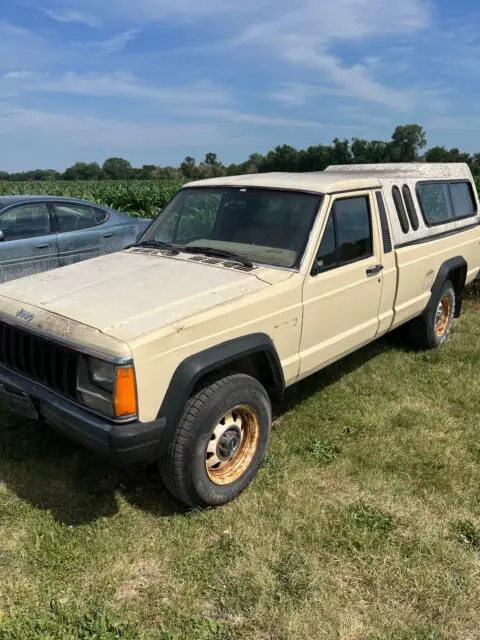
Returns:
(342,177)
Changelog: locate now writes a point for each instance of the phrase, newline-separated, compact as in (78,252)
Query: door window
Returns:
(74,217)
(25,221)
(348,235)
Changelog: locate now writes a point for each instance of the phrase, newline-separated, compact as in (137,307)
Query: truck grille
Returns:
(42,360)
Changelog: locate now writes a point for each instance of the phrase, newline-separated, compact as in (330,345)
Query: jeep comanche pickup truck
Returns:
(172,351)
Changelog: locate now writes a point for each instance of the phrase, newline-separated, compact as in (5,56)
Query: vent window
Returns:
(412,213)
(400,207)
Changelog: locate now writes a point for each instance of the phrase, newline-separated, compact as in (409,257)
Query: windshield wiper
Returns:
(219,253)
(156,244)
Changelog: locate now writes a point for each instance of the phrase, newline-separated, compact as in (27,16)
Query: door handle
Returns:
(373,271)
(43,246)
(109,235)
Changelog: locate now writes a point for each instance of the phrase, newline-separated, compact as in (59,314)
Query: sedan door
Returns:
(29,243)
(80,235)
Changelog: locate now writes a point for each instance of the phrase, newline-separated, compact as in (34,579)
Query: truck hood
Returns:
(128,294)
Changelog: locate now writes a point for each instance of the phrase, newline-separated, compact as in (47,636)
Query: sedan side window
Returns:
(74,217)
(26,221)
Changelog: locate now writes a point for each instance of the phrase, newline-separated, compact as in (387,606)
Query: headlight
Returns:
(102,373)
(107,388)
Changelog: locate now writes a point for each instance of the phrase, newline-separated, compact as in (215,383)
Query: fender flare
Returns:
(443,274)
(195,367)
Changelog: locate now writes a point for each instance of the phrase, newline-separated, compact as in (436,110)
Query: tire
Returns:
(230,415)
(432,329)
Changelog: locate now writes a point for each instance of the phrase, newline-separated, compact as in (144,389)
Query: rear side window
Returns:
(412,213)
(100,215)
(443,202)
(463,202)
(73,217)
(400,207)
(435,202)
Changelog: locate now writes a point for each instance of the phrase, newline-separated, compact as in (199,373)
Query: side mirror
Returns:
(2,237)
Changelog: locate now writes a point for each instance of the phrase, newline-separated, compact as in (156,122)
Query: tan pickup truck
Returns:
(172,351)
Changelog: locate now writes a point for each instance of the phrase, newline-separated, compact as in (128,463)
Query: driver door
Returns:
(343,292)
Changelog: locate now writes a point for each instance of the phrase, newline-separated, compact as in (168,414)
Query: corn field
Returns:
(136,197)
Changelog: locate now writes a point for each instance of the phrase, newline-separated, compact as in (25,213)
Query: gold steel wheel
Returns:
(442,317)
(232,445)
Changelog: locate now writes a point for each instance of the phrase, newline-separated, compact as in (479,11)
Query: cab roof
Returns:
(337,178)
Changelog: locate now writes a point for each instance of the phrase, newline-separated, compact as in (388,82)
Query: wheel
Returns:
(433,328)
(220,442)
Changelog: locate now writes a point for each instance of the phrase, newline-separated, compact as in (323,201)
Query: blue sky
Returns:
(156,80)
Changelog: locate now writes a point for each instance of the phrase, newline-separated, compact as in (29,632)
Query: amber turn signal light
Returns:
(125,393)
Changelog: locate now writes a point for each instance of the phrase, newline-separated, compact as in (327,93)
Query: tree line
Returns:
(406,145)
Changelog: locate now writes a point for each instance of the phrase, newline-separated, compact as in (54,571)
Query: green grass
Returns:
(364,523)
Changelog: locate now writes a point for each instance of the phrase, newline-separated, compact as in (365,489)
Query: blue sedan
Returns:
(38,233)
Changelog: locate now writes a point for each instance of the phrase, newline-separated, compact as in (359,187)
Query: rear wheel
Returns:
(220,442)
(433,328)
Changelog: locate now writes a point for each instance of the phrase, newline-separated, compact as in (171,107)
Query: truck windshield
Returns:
(259,225)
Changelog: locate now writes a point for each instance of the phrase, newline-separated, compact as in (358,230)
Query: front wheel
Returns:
(220,442)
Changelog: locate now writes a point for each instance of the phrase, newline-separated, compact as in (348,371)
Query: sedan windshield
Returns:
(257,225)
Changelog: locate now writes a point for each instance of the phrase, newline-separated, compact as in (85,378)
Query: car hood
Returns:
(128,294)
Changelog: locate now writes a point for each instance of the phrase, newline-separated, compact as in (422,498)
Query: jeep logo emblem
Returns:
(25,315)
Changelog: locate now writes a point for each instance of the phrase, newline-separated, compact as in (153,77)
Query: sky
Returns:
(155,80)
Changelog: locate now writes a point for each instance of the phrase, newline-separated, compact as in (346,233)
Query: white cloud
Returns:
(146,11)
(233,115)
(115,85)
(201,100)
(321,22)
(94,133)
(304,37)
(22,49)
(72,15)
(117,43)
(294,94)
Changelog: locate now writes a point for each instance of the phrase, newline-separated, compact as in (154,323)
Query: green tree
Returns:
(211,159)
(340,152)
(315,158)
(407,142)
(282,158)
(189,168)
(442,154)
(117,169)
(370,151)
(83,171)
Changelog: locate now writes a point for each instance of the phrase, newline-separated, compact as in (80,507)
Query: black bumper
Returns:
(124,443)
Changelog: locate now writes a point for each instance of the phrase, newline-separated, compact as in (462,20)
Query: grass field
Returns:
(364,523)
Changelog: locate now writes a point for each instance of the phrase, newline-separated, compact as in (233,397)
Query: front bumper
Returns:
(125,444)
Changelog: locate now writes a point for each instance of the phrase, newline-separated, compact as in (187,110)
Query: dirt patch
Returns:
(142,574)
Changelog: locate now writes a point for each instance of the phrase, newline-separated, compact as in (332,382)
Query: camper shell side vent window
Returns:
(400,207)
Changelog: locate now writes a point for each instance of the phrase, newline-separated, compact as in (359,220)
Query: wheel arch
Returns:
(253,354)
(455,270)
